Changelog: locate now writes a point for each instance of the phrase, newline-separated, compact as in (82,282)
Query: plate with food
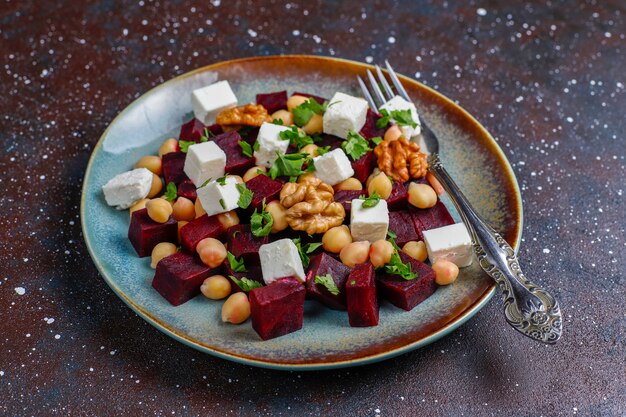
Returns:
(259,210)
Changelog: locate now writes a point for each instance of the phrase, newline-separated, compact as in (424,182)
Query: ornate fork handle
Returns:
(528,308)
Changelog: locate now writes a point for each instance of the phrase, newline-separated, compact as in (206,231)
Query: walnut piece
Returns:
(247,115)
(401,159)
(310,205)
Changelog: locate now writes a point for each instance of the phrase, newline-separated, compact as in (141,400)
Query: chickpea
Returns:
(156,187)
(212,252)
(237,178)
(355,253)
(253,173)
(184,209)
(283,115)
(380,184)
(159,210)
(295,101)
(336,238)
(374,173)
(180,226)
(416,250)
(236,308)
(349,184)
(380,253)
(200,211)
(170,145)
(446,272)
(422,195)
(228,219)
(160,251)
(139,205)
(151,162)
(279,215)
(434,182)
(314,125)
(311,149)
(216,287)
(393,133)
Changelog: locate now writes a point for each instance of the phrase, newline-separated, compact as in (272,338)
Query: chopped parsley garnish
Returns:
(185,144)
(328,282)
(256,145)
(221,180)
(352,282)
(296,137)
(290,165)
(261,223)
(305,250)
(355,145)
(245,196)
(402,118)
(395,266)
(236,265)
(171,192)
(246,284)
(246,149)
(278,122)
(207,134)
(222,203)
(304,112)
(206,182)
(321,150)
(376,140)
(371,201)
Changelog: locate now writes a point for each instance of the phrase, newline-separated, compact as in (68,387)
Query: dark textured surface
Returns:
(546,79)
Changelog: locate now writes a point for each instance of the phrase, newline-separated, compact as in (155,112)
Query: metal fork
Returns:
(528,308)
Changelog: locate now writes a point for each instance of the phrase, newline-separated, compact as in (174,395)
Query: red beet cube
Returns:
(319,99)
(407,294)
(362,297)
(187,189)
(144,233)
(345,197)
(329,140)
(432,218)
(193,130)
(278,308)
(398,197)
(173,167)
(252,272)
(263,187)
(369,129)
(198,229)
(236,162)
(321,265)
(363,166)
(401,223)
(249,133)
(179,276)
(241,242)
(272,101)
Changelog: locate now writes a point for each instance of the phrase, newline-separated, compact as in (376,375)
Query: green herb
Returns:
(236,265)
(278,122)
(171,192)
(305,250)
(221,180)
(376,140)
(353,282)
(328,282)
(246,284)
(384,119)
(207,134)
(391,234)
(261,223)
(371,201)
(296,137)
(304,112)
(256,145)
(290,165)
(323,150)
(185,144)
(245,196)
(355,145)
(395,265)
(205,183)
(222,203)
(401,117)
(246,149)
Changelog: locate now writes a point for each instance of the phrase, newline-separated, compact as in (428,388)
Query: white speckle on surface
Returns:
(546,250)
(481,12)
(252,33)
(369,59)
(1,373)
(519,99)
(57,336)
(48,320)
(391,39)
(20,290)
(296,32)
(569,119)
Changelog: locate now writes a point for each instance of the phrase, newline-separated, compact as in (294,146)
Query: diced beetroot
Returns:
(278,308)
(252,272)
(329,140)
(187,189)
(241,242)
(432,218)
(249,133)
(273,101)
(398,197)
(179,276)
(369,129)
(144,233)
(319,99)
(362,297)
(193,130)
(173,167)
(345,197)
(321,265)
(263,187)
(363,166)
(236,162)
(198,229)
(401,223)
(407,294)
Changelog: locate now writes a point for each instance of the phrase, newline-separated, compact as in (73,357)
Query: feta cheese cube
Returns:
(204,160)
(216,198)
(369,224)
(333,167)
(125,189)
(269,143)
(209,101)
(280,259)
(343,114)
(452,243)
(398,103)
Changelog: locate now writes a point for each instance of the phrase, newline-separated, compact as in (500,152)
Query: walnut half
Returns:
(247,115)
(401,159)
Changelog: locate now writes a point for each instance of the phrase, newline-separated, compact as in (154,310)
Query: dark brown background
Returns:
(546,78)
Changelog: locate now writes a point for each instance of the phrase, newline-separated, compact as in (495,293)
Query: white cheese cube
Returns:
(269,143)
(452,243)
(216,198)
(209,101)
(343,114)
(280,259)
(125,189)
(204,161)
(333,167)
(369,224)
(398,103)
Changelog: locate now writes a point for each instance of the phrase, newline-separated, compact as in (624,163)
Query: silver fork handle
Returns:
(528,308)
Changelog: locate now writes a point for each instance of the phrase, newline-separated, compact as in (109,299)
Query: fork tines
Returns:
(376,85)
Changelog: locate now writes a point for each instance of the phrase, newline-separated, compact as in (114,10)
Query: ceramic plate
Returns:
(326,340)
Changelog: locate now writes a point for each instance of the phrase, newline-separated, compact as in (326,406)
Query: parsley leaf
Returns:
(246,284)
(305,250)
(304,112)
(323,149)
(328,282)
(278,122)
(376,140)
(246,149)
(370,201)
(207,134)
(185,144)
(222,203)
(245,196)
(395,265)
(205,183)
(403,118)
(355,145)
(171,192)
(296,137)
(261,223)
(221,180)
(290,165)
(384,119)
(236,265)
(256,145)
